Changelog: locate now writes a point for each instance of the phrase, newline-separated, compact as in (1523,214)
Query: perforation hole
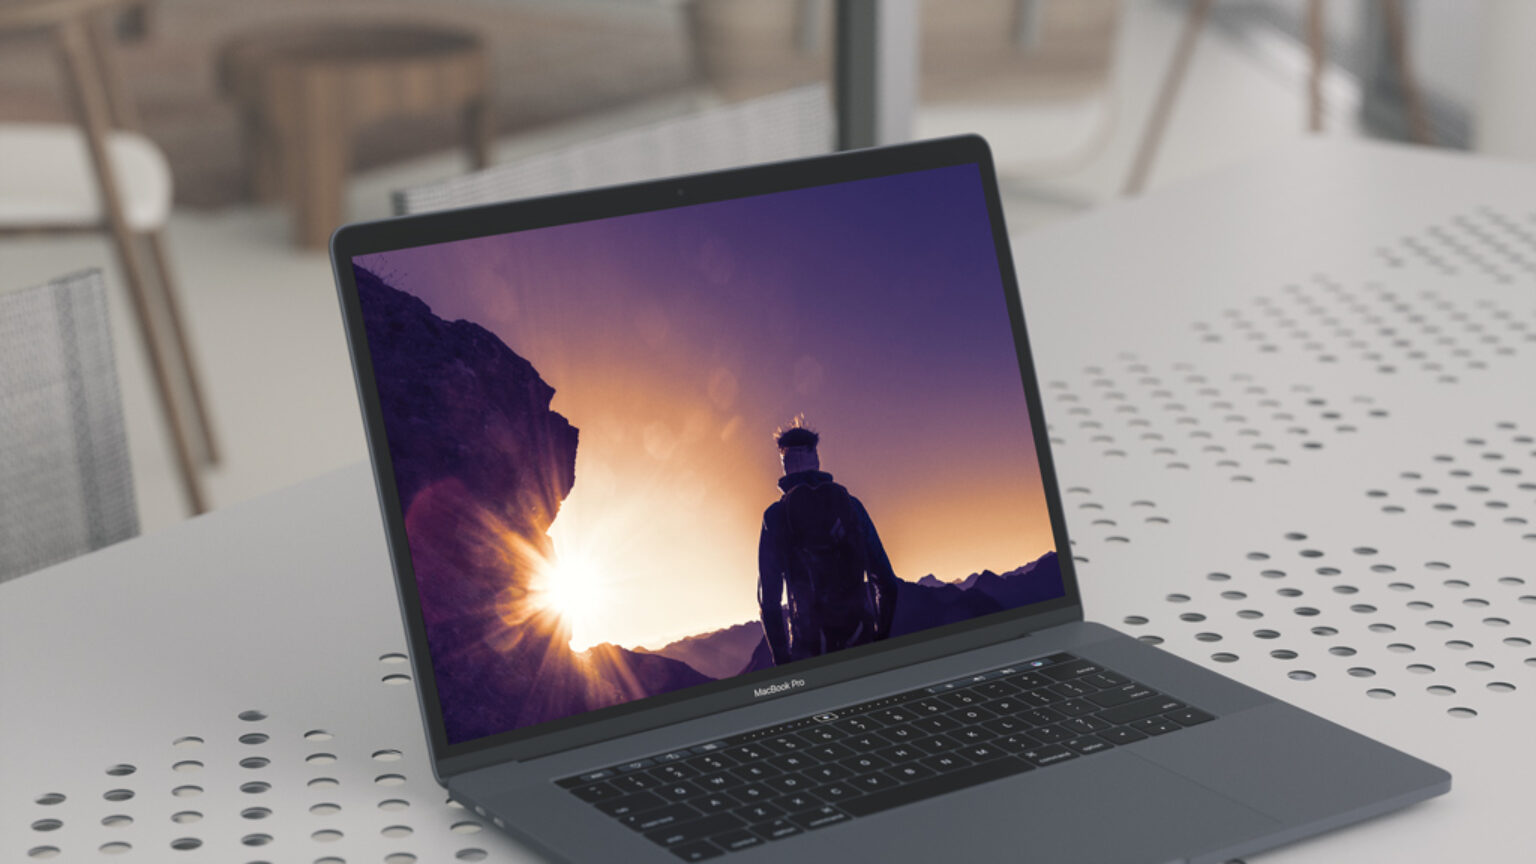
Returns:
(326,835)
(47,825)
(117,794)
(1301,675)
(255,787)
(1501,687)
(471,854)
(186,844)
(387,755)
(254,738)
(121,769)
(256,839)
(393,804)
(1224,657)
(187,742)
(252,715)
(399,858)
(466,827)
(1479,665)
(49,799)
(1380,693)
(43,852)
(395,832)
(190,791)
(389,779)
(114,847)
(116,820)
(320,758)
(254,762)
(318,735)
(323,783)
(325,808)
(1461,713)
(254,813)
(186,817)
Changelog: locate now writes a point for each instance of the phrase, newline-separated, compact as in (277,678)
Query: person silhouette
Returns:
(819,547)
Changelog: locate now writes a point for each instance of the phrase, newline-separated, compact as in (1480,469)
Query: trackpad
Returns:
(1107,808)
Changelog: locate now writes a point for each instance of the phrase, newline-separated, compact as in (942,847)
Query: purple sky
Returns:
(678,340)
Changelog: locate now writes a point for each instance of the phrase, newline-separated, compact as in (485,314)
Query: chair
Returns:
(93,177)
(63,450)
(784,125)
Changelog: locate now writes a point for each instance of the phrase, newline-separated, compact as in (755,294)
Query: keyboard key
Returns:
(1069,689)
(679,790)
(944,783)
(634,782)
(798,802)
(936,744)
(759,771)
(1155,726)
(1122,735)
(944,762)
(997,689)
(710,762)
(714,803)
(973,735)
(1052,734)
(1120,695)
(785,744)
(1189,716)
(820,817)
(735,841)
(595,792)
(973,714)
(981,752)
(763,812)
(674,756)
(961,698)
(1042,716)
(821,735)
(865,762)
(832,793)
(1075,707)
(866,742)
(1089,744)
(829,772)
(635,765)
(1072,669)
(792,762)
(1038,698)
(831,752)
(1030,680)
(594,776)
(1007,705)
(777,829)
(697,829)
(787,783)
(674,771)
(856,725)
(893,716)
(666,816)
(754,792)
(927,707)
(938,723)
(627,804)
(699,851)
(1123,714)
(905,732)
(718,782)
(901,753)
(1048,754)
(872,782)
(1005,726)
(1103,680)
(1084,725)
(909,773)
(748,753)
(1016,743)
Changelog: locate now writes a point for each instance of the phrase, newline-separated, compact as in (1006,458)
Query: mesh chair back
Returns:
(785,125)
(64,469)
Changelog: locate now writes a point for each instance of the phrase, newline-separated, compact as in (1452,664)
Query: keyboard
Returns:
(819,771)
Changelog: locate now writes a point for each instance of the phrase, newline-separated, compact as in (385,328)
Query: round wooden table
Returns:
(305,89)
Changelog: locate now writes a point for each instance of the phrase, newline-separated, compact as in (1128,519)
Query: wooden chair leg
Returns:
(1397,46)
(83,80)
(1173,80)
(183,349)
(1317,48)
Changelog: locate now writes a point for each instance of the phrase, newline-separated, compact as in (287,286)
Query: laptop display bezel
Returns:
(359,239)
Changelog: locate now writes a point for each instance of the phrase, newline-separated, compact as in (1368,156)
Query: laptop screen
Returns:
(644,453)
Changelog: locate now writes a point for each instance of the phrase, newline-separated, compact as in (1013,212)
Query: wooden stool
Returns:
(304,92)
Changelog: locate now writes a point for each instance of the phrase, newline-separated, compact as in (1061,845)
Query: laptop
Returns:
(724,525)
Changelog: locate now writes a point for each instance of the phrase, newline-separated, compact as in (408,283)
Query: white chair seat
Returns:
(46,178)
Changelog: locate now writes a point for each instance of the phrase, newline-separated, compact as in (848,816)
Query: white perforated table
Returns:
(1294,414)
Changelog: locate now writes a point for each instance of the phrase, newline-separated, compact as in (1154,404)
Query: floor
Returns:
(264,317)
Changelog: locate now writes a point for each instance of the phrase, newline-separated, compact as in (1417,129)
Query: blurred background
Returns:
(199,152)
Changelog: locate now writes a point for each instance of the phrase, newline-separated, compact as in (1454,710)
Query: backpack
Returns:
(826,546)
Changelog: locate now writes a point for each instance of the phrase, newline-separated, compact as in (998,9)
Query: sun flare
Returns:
(571,586)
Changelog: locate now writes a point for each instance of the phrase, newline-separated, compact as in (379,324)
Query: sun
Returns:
(571,586)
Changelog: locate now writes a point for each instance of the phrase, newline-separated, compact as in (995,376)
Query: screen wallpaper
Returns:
(643,453)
